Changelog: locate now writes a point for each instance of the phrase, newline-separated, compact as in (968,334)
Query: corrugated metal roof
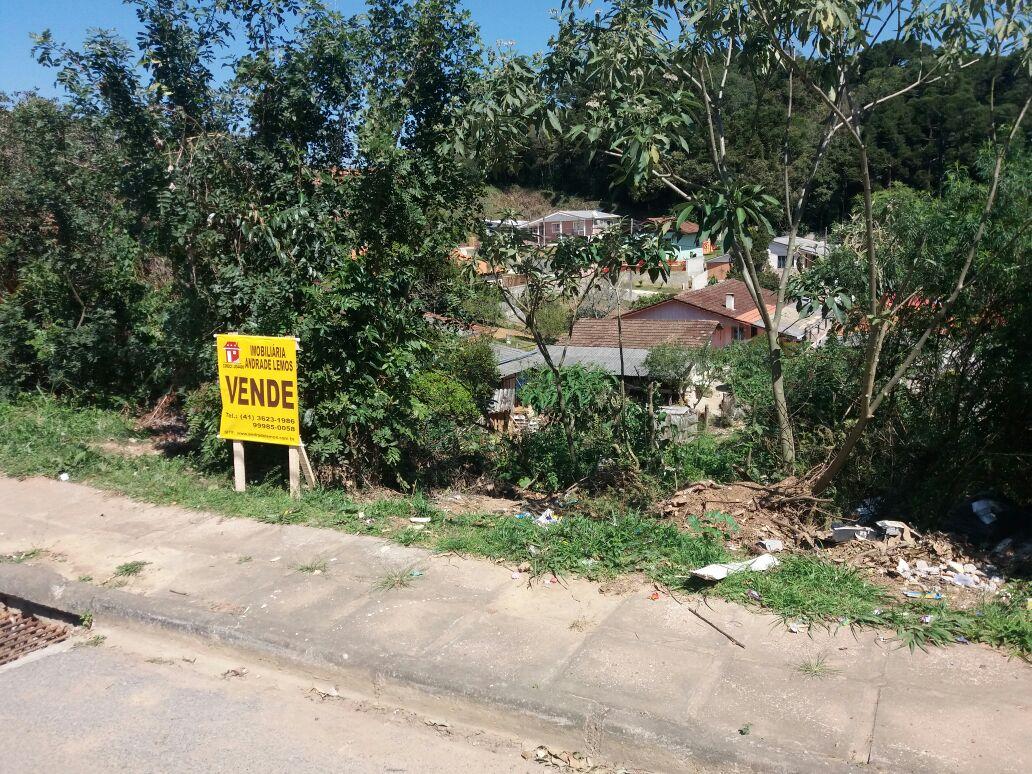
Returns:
(511,360)
(574,215)
(606,358)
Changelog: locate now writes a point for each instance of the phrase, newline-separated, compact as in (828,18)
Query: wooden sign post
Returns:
(258,385)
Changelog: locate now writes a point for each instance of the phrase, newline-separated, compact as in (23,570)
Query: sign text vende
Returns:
(258,385)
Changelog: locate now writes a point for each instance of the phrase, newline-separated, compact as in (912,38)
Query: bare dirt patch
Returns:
(460,503)
(131,448)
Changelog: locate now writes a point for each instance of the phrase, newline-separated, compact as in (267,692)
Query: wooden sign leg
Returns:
(306,467)
(239,474)
(294,466)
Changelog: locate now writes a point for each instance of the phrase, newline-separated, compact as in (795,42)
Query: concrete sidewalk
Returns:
(640,682)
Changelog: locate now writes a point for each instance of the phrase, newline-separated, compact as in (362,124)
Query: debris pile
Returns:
(891,552)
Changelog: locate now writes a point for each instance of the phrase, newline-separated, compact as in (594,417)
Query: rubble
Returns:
(887,551)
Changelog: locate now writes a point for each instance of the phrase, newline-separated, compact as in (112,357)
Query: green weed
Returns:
(313,568)
(396,579)
(816,667)
(130,569)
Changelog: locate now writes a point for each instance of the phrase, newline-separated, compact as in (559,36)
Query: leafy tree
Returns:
(637,81)
(312,194)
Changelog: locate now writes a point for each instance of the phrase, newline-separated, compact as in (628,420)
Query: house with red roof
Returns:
(727,303)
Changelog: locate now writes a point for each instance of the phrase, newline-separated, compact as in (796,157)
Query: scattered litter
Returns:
(419,519)
(771,545)
(547,518)
(654,596)
(236,672)
(515,575)
(843,533)
(64,477)
(793,627)
(275,559)
(416,574)
(744,730)
(524,567)
(927,619)
(717,572)
(921,567)
(923,594)
(963,579)
(418,526)
(753,594)
(892,528)
(986,510)
(524,515)
(962,639)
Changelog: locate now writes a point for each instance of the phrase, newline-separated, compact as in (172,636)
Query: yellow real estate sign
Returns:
(258,382)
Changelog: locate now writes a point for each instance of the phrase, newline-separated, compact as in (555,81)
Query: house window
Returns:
(782,260)
(557,227)
(580,227)
(738,333)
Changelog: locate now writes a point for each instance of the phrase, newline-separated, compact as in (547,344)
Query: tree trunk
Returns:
(835,465)
(786,437)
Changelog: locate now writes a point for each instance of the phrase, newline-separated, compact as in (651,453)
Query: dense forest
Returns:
(917,143)
(320,189)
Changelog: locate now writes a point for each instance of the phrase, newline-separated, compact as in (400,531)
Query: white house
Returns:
(587,223)
(807,250)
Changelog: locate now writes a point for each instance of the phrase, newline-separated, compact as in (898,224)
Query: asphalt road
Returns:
(119,707)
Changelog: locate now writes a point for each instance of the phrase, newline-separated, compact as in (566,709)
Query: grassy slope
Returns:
(39,436)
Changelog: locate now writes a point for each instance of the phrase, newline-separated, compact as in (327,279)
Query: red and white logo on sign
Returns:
(232,350)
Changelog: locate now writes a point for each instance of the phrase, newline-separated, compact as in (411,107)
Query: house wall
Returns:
(675,310)
(568,227)
(718,271)
(688,247)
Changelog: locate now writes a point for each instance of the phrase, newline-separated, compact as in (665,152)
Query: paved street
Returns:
(134,706)
(639,681)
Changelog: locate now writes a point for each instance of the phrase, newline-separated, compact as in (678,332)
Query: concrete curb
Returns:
(632,738)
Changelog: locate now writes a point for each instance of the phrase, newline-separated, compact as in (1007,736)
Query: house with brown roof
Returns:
(642,334)
(727,303)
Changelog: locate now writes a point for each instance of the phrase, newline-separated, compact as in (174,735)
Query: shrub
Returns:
(553,321)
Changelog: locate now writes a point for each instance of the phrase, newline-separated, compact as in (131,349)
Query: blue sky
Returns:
(528,22)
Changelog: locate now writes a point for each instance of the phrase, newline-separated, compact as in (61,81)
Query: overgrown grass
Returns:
(40,436)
